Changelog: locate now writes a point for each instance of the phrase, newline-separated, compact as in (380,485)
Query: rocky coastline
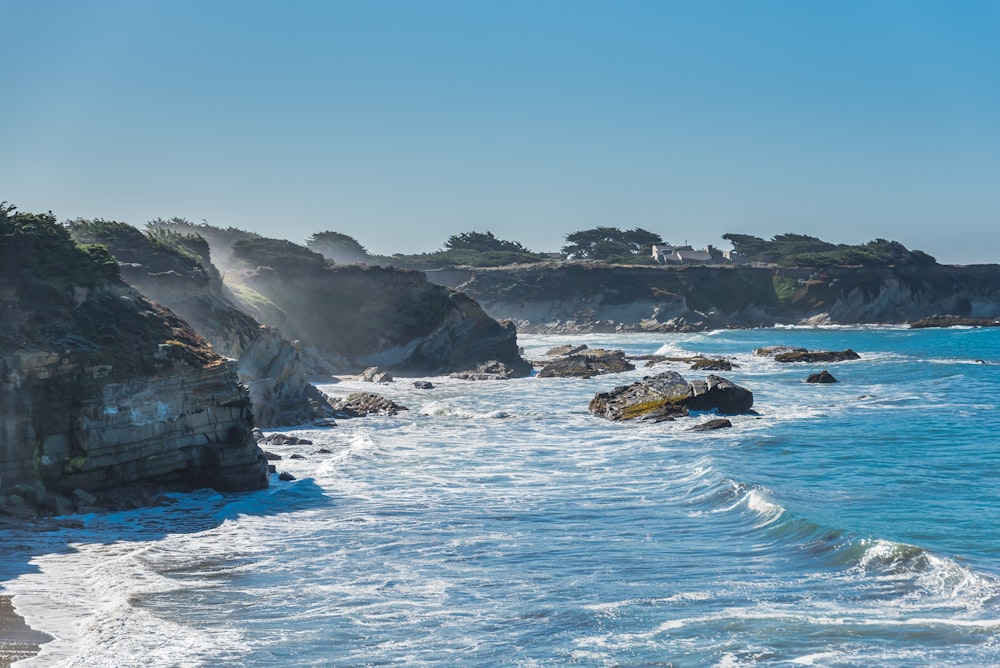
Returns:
(577,297)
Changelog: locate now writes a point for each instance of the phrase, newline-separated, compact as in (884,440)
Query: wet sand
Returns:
(17,640)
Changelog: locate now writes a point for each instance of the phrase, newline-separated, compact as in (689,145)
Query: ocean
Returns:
(501,524)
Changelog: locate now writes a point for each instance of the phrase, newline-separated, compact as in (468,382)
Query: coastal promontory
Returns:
(102,392)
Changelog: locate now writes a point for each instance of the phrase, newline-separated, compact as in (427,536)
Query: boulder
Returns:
(721,395)
(287,477)
(586,364)
(813,356)
(717,423)
(708,364)
(667,395)
(375,374)
(562,351)
(823,376)
(423,385)
(362,404)
(654,398)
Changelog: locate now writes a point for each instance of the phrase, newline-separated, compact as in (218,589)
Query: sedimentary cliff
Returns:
(580,297)
(102,390)
(176,271)
(368,316)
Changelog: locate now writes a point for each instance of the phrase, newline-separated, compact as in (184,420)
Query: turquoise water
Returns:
(502,524)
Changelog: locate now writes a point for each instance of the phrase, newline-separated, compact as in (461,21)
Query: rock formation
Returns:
(102,390)
(823,376)
(582,297)
(368,316)
(586,363)
(175,270)
(667,395)
(813,356)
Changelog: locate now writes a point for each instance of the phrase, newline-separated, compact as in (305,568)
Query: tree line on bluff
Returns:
(610,245)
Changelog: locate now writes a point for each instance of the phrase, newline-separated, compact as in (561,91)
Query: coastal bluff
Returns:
(580,297)
(363,316)
(104,394)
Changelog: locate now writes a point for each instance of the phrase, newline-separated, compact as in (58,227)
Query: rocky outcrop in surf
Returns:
(667,396)
(103,391)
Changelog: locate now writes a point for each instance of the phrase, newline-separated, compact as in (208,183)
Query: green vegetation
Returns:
(474,249)
(799,250)
(277,254)
(39,252)
(610,244)
(339,247)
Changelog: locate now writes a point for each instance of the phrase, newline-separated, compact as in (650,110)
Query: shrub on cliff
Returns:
(611,244)
(40,254)
(799,250)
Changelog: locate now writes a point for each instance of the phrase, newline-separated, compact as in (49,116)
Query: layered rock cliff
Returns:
(102,390)
(176,270)
(368,316)
(577,297)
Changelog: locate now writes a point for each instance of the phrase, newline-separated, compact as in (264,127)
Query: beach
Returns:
(17,640)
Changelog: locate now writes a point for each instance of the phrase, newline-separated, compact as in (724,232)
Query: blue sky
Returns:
(402,122)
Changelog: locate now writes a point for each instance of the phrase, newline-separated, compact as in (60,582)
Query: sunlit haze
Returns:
(401,123)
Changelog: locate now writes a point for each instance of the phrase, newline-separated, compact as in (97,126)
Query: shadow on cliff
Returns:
(200,511)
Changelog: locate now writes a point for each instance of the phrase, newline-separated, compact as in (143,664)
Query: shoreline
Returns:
(18,641)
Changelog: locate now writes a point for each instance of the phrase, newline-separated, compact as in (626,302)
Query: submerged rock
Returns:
(771,351)
(823,376)
(709,364)
(718,423)
(954,321)
(667,395)
(423,385)
(812,356)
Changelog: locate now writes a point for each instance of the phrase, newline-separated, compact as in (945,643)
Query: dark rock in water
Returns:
(771,351)
(654,397)
(284,439)
(324,451)
(719,394)
(586,364)
(297,456)
(668,395)
(361,404)
(954,321)
(271,456)
(492,370)
(718,423)
(423,385)
(812,356)
(286,476)
(707,364)
(823,376)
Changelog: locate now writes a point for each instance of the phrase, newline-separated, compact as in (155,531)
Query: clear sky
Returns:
(402,122)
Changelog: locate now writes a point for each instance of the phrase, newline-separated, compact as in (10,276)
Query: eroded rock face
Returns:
(176,271)
(102,390)
(667,396)
(369,316)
